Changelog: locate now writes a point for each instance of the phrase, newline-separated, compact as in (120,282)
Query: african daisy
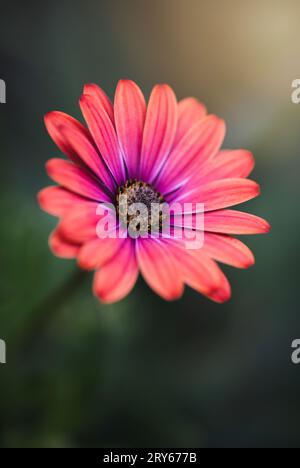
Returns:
(163,151)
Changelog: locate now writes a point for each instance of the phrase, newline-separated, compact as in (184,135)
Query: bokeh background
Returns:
(144,372)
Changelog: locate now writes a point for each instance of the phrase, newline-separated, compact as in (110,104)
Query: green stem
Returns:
(46,311)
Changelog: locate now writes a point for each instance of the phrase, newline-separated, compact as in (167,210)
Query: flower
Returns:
(164,150)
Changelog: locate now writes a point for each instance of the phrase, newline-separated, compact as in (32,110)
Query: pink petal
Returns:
(80,223)
(76,179)
(118,276)
(100,98)
(62,247)
(159,269)
(159,131)
(224,221)
(87,152)
(235,222)
(130,111)
(223,293)
(57,200)
(53,121)
(200,272)
(104,134)
(190,111)
(97,252)
(228,164)
(198,145)
(227,250)
(221,193)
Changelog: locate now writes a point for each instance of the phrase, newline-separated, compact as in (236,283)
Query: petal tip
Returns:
(220,295)
(81,262)
(42,198)
(48,117)
(250,263)
(124,81)
(104,298)
(50,165)
(88,86)
(267,227)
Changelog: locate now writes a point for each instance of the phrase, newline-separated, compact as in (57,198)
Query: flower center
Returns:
(139,206)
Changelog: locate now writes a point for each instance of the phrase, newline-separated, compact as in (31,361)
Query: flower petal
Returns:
(87,152)
(200,272)
(130,111)
(190,111)
(159,131)
(117,277)
(235,222)
(100,98)
(61,247)
(57,200)
(221,193)
(223,293)
(199,144)
(104,134)
(81,222)
(224,221)
(53,121)
(76,179)
(97,252)
(226,164)
(159,269)
(227,250)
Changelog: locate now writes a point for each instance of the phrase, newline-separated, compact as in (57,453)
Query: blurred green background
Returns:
(144,372)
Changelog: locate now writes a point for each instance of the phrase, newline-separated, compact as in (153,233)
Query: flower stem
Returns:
(47,310)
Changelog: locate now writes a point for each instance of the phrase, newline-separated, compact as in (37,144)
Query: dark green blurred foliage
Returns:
(145,372)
